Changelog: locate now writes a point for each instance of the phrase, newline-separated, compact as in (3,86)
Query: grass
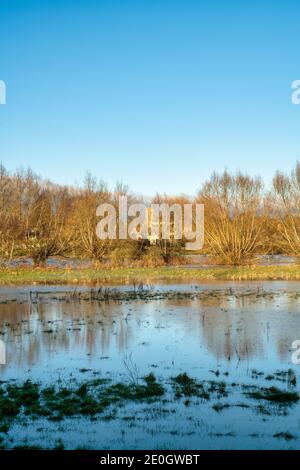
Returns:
(284,435)
(220,406)
(89,398)
(94,397)
(28,275)
(102,399)
(274,394)
(187,386)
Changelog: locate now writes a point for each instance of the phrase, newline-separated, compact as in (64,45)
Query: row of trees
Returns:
(40,219)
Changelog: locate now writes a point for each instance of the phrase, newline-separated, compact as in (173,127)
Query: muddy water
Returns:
(234,332)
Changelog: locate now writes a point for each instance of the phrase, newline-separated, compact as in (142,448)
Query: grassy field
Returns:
(130,275)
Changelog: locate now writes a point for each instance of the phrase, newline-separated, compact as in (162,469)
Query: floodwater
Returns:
(193,261)
(238,334)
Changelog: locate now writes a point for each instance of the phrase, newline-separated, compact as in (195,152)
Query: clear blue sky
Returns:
(155,93)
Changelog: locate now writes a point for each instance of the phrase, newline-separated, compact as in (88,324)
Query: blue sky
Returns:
(157,94)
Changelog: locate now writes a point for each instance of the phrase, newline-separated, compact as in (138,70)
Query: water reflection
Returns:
(222,327)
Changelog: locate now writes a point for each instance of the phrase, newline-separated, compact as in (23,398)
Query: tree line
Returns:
(243,219)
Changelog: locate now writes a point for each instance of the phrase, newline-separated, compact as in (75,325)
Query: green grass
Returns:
(102,276)
(274,394)
(187,386)
(89,398)
(101,398)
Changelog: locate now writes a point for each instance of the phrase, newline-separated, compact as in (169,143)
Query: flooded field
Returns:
(198,366)
(191,260)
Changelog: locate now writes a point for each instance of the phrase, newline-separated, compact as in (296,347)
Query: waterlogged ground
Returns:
(195,260)
(155,367)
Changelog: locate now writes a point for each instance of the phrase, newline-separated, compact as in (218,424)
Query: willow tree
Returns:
(83,220)
(286,191)
(46,235)
(233,217)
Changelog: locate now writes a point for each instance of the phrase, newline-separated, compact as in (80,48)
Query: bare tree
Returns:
(286,191)
(233,223)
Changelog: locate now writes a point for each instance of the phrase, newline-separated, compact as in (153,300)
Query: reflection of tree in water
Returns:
(228,326)
(246,326)
(34,332)
(221,324)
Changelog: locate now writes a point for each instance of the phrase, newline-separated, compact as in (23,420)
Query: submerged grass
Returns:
(94,397)
(28,275)
(101,398)
(274,394)
(284,435)
(186,386)
(89,398)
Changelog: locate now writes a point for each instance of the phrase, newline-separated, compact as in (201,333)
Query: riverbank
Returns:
(101,276)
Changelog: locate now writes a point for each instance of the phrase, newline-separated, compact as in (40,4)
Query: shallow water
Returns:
(233,332)
(193,261)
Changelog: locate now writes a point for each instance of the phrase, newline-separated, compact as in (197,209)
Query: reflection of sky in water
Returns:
(223,330)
